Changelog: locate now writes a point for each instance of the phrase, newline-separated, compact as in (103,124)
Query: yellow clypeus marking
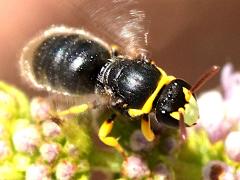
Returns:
(176,114)
(187,94)
(190,109)
(147,107)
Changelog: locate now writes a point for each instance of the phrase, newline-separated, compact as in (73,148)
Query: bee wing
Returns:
(62,102)
(117,21)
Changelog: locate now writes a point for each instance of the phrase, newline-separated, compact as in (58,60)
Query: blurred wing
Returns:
(117,21)
(61,102)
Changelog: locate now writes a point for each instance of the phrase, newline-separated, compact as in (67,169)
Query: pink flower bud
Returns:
(49,152)
(6,105)
(212,114)
(65,170)
(232,145)
(138,142)
(217,170)
(37,172)
(4,149)
(135,167)
(40,109)
(26,139)
(162,172)
(238,174)
(3,131)
(51,129)
(230,82)
(71,149)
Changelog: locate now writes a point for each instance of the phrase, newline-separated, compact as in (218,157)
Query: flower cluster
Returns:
(36,144)
(220,119)
(32,145)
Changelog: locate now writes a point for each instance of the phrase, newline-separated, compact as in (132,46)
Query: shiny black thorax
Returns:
(130,81)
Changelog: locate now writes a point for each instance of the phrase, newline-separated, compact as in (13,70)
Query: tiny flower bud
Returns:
(232,145)
(65,170)
(212,119)
(37,172)
(170,145)
(3,132)
(135,167)
(161,172)
(138,142)
(50,129)
(49,152)
(21,161)
(71,149)
(40,109)
(26,139)
(4,150)
(217,170)
(230,82)
(7,106)
(238,174)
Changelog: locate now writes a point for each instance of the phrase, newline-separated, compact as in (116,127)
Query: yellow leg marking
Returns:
(103,133)
(146,129)
(74,110)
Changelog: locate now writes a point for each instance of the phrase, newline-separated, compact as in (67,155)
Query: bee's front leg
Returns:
(105,130)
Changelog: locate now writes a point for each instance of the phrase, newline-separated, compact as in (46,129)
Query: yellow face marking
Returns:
(187,94)
(147,107)
(176,114)
(190,110)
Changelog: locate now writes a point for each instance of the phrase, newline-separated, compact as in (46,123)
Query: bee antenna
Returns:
(205,77)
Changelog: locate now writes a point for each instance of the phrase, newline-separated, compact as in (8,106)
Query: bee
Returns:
(72,61)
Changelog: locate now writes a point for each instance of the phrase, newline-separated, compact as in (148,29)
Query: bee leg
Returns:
(146,128)
(105,130)
(75,109)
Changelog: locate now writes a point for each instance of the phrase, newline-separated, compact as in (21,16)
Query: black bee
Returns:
(73,61)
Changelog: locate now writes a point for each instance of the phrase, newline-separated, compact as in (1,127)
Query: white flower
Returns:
(135,167)
(26,139)
(40,109)
(37,172)
(232,145)
(49,152)
(230,82)
(212,115)
(4,149)
(65,170)
(51,129)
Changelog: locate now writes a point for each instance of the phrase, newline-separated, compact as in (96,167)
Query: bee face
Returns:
(176,98)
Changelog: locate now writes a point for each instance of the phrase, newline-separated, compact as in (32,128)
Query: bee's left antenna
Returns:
(205,77)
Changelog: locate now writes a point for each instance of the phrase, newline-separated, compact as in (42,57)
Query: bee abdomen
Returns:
(68,63)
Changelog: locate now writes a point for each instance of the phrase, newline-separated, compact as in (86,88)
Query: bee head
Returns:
(176,98)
